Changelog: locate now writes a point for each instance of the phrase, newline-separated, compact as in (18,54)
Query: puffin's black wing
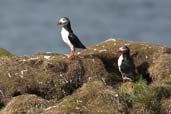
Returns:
(75,41)
(128,66)
(128,69)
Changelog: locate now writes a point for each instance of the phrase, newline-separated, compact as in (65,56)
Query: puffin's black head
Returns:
(124,50)
(63,21)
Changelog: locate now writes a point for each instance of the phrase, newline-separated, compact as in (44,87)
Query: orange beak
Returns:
(58,23)
(118,50)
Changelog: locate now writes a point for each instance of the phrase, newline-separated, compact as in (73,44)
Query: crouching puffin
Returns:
(126,64)
(69,37)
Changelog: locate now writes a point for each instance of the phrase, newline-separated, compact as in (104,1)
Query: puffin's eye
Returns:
(64,19)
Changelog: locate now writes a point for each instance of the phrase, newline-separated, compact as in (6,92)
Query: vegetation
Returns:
(4,52)
(89,83)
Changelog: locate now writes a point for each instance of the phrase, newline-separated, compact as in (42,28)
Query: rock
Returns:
(161,62)
(88,83)
(91,98)
(49,79)
(144,54)
(25,104)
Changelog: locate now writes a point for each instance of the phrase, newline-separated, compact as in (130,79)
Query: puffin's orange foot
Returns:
(70,55)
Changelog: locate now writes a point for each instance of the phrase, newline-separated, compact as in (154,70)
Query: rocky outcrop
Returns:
(23,104)
(47,76)
(91,98)
(48,83)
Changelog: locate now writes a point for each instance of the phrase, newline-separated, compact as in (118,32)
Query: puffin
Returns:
(126,64)
(69,37)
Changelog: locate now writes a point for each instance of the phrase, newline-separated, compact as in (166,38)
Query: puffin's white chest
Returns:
(65,34)
(120,61)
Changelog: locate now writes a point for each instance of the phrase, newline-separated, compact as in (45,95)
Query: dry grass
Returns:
(91,98)
(88,83)
(25,104)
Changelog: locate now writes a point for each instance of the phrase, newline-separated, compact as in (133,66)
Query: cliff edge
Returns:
(89,83)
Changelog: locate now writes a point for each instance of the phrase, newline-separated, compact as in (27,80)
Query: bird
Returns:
(126,64)
(69,37)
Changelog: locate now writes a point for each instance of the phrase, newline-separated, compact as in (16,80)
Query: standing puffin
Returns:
(126,64)
(69,37)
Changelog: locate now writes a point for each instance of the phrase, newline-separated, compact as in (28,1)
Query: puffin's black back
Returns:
(75,41)
(127,65)
(72,37)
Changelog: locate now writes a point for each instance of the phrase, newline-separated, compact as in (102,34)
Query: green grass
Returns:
(139,96)
(4,52)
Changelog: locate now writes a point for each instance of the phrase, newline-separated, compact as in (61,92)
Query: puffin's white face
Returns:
(123,49)
(63,21)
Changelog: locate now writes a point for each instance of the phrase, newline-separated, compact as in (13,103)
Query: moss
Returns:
(161,62)
(81,96)
(91,98)
(139,96)
(89,82)
(162,87)
(166,105)
(143,53)
(4,52)
(25,104)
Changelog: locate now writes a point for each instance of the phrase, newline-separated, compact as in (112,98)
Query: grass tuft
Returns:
(139,96)
(4,52)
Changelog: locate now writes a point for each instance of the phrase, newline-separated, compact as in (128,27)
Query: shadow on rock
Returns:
(143,70)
